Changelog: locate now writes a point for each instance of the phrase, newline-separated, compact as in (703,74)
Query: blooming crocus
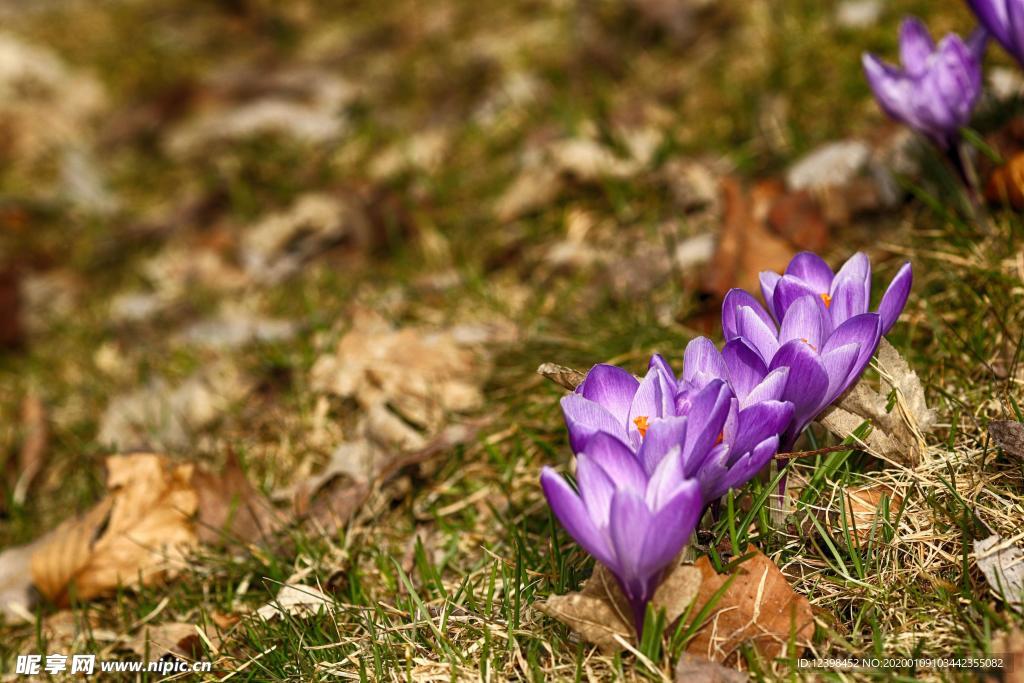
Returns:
(1004,19)
(649,418)
(632,519)
(937,87)
(819,328)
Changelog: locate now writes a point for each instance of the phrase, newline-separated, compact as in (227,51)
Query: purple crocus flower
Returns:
(634,519)
(937,87)
(1004,19)
(649,418)
(819,328)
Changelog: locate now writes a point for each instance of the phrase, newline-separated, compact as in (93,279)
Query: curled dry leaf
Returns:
(863,514)
(897,433)
(299,600)
(139,533)
(1008,435)
(600,613)
(759,607)
(567,378)
(691,669)
(1002,563)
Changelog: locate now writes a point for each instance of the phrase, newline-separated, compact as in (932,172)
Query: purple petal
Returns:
(791,289)
(746,367)
(851,290)
(957,78)
(735,300)
(713,475)
(895,297)
(665,479)
(892,89)
(812,269)
(647,405)
(749,464)
(658,362)
(839,365)
(763,338)
(571,513)
(758,422)
(674,523)
(865,330)
(707,416)
(993,16)
(611,387)
(1014,28)
(596,489)
(803,321)
(662,436)
(977,42)
(768,281)
(702,356)
(916,46)
(630,523)
(808,382)
(585,418)
(770,388)
(617,461)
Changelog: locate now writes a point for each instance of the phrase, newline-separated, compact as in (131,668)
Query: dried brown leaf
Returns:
(1008,435)
(1002,563)
(745,245)
(863,511)
(759,607)
(137,534)
(567,378)
(600,613)
(897,434)
(230,509)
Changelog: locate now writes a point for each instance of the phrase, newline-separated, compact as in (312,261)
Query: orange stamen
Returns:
(827,299)
(641,424)
(805,341)
(720,439)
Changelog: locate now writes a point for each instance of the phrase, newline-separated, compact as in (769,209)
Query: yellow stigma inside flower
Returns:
(826,298)
(641,424)
(720,439)
(806,341)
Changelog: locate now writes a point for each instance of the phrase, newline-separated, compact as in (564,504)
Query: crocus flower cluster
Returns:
(654,453)
(935,89)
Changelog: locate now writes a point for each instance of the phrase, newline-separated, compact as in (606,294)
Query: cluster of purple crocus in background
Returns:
(653,454)
(935,88)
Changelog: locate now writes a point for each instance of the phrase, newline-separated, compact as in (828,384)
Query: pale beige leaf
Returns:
(139,533)
(299,600)
(1002,563)
(897,433)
